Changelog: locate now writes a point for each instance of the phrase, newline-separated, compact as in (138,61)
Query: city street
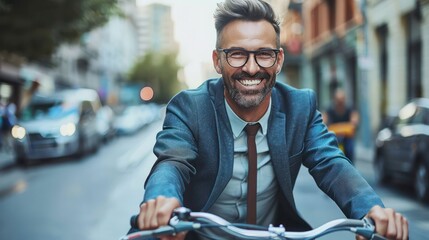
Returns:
(317,208)
(93,198)
(89,198)
(83,80)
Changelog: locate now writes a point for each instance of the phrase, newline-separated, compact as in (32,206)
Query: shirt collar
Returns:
(238,124)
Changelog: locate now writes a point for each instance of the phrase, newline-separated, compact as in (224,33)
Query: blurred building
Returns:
(102,58)
(377,50)
(155,29)
(331,47)
(10,84)
(424,4)
(291,39)
(398,41)
(116,50)
(334,47)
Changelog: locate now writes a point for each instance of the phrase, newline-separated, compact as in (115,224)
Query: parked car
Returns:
(105,121)
(58,125)
(402,148)
(128,120)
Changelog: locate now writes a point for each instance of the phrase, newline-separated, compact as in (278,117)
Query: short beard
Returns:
(257,96)
(242,101)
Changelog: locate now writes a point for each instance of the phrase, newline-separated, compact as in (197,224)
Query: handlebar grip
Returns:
(134,221)
(369,220)
(374,235)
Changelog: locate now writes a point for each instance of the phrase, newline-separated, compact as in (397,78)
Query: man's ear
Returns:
(216,61)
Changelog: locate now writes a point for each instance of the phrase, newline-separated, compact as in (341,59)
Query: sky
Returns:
(195,33)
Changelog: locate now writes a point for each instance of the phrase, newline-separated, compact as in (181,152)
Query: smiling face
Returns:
(247,87)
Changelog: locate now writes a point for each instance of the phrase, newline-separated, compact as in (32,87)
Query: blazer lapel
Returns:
(278,150)
(225,143)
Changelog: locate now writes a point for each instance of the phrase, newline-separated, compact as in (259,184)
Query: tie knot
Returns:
(252,129)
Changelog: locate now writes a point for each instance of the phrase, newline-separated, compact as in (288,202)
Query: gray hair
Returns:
(250,10)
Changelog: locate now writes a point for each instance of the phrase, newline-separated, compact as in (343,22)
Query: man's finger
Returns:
(165,210)
(398,225)
(140,219)
(391,227)
(150,221)
(404,228)
(162,213)
(380,218)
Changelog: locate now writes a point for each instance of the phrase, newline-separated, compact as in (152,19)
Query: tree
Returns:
(159,71)
(34,29)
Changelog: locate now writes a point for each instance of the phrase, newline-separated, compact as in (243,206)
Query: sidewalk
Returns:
(10,175)
(363,153)
(364,159)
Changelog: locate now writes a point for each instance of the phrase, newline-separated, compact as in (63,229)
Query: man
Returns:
(343,120)
(202,161)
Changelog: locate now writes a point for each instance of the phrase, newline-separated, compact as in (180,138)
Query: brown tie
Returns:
(251,131)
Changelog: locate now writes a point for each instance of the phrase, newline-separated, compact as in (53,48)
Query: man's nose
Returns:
(251,66)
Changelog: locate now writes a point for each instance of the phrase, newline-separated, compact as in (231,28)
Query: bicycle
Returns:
(184,219)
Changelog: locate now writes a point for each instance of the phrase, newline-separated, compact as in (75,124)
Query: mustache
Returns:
(244,75)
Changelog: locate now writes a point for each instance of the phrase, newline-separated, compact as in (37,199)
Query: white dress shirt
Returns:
(232,203)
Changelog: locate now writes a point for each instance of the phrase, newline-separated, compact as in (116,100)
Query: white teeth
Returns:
(252,82)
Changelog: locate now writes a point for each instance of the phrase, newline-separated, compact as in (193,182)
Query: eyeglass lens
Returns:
(239,57)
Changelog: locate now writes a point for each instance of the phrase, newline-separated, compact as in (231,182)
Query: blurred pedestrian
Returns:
(334,84)
(8,120)
(342,119)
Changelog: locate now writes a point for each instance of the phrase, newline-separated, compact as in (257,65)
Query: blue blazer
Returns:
(195,153)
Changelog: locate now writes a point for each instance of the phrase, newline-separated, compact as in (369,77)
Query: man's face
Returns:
(248,85)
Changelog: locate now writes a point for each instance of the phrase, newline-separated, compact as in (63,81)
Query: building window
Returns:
(414,56)
(315,22)
(332,14)
(349,10)
(382,34)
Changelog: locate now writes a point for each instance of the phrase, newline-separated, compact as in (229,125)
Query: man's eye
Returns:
(266,54)
(237,54)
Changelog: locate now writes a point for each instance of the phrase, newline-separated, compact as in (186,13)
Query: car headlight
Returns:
(68,129)
(18,132)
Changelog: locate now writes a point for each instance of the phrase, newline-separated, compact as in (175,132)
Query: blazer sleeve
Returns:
(175,149)
(332,171)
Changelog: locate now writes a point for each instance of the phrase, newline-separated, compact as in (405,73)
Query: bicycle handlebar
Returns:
(184,220)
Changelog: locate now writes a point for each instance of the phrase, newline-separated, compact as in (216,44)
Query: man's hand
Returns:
(157,212)
(388,223)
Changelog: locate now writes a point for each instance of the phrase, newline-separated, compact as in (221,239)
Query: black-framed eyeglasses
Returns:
(238,57)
